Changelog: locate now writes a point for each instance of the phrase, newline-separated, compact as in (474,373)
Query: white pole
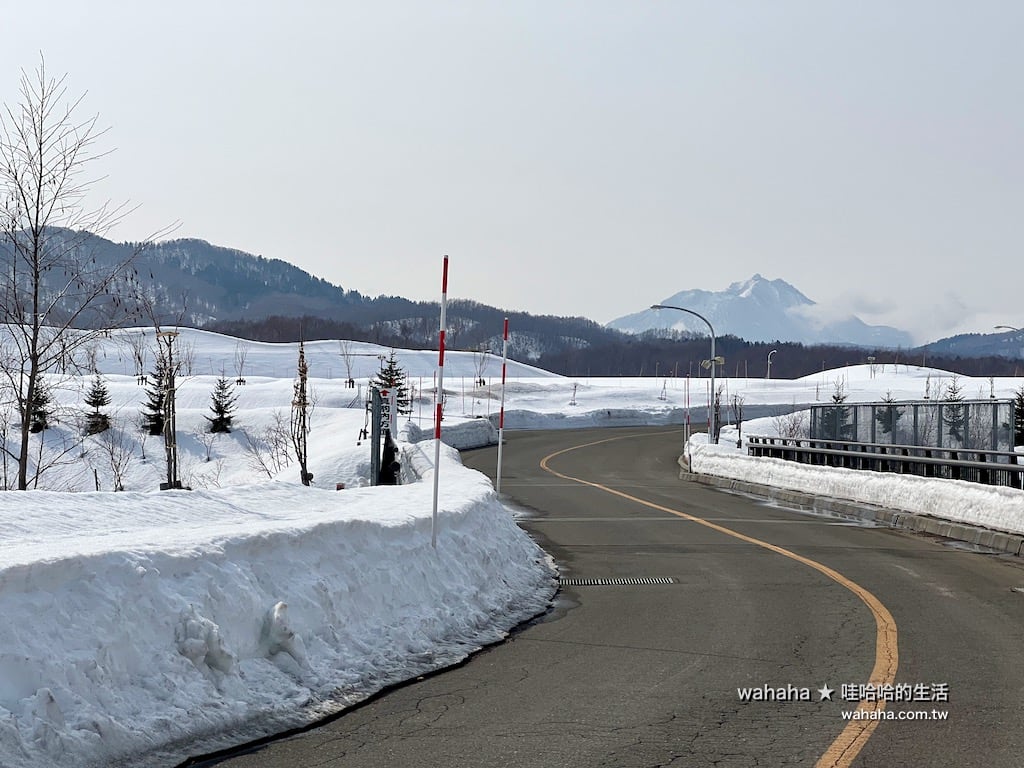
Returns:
(440,399)
(501,413)
(686,431)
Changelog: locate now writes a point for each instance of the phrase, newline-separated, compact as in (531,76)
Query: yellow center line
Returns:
(841,752)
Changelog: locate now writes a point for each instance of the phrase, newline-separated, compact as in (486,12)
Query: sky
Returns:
(251,596)
(575,158)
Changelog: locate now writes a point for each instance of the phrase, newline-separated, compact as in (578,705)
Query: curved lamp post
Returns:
(711,405)
(1010,328)
(770,363)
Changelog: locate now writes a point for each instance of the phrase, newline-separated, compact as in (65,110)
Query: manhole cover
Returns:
(618,582)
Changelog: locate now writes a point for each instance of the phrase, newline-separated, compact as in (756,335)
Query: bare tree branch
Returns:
(55,295)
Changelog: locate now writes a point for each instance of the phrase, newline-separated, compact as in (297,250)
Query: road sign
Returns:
(388,408)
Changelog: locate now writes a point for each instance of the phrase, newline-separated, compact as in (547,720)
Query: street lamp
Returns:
(1010,328)
(711,408)
(770,363)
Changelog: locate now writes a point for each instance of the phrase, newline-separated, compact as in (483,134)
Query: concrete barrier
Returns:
(987,538)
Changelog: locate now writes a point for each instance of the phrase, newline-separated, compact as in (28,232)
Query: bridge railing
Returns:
(972,465)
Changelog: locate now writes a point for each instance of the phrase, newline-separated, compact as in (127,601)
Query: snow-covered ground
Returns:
(141,626)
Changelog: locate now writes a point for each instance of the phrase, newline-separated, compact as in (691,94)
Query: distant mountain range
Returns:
(1007,344)
(193,283)
(761,310)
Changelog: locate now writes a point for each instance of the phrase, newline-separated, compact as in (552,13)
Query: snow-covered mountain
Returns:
(759,309)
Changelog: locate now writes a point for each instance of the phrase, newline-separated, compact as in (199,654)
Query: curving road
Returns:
(647,674)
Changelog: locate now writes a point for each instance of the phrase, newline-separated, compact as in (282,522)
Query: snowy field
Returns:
(142,626)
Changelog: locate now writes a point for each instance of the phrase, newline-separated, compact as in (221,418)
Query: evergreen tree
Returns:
(954,412)
(888,415)
(393,377)
(40,408)
(156,395)
(97,397)
(222,404)
(835,420)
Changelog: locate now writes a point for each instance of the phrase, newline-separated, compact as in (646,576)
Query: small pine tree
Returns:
(156,394)
(954,413)
(889,414)
(222,403)
(97,397)
(41,408)
(835,420)
(393,377)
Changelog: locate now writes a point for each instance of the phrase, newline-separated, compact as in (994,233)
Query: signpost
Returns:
(383,417)
(375,434)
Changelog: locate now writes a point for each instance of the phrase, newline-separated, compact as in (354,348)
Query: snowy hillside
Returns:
(213,353)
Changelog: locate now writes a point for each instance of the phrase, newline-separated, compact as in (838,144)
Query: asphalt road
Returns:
(647,674)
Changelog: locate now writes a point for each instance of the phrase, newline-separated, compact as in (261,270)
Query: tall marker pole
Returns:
(501,413)
(439,394)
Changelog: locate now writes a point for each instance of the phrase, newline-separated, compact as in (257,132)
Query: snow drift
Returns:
(137,622)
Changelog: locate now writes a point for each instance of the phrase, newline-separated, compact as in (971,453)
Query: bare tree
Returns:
(347,353)
(206,439)
(187,357)
(161,405)
(59,443)
(137,344)
(6,419)
(737,414)
(91,353)
(300,418)
(170,411)
(719,392)
(979,425)
(141,423)
(210,477)
(241,352)
(269,450)
(791,425)
(118,449)
(55,295)
(480,363)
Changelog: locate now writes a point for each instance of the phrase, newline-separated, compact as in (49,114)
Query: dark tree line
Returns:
(648,356)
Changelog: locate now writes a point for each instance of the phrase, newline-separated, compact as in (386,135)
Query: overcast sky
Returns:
(571,158)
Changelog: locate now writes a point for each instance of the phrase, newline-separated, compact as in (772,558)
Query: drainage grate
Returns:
(618,582)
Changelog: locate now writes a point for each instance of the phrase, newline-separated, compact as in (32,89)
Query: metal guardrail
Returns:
(973,465)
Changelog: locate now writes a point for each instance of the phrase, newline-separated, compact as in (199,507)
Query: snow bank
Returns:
(995,507)
(137,621)
(459,434)
(604,417)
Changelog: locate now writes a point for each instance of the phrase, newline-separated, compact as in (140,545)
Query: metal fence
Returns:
(980,424)
(971,465)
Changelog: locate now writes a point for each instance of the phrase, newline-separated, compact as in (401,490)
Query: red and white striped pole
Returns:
(501,413)
(439,394)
